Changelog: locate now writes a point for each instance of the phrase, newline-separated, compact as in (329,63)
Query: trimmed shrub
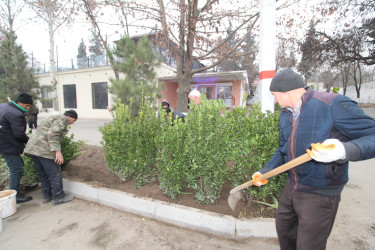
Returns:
(129,143)
(253,141)
(193,154)
(206,142)
(172,156)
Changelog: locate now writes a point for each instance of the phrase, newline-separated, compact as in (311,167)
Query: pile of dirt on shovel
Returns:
(91,168)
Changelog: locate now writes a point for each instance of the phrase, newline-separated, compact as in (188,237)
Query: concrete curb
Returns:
(187,217)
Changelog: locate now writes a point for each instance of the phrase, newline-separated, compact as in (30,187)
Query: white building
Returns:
(85,91)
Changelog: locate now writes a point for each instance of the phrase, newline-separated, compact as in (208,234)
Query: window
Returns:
(47,97)
(225,93)
(99,95)
(70,96)
(207,90)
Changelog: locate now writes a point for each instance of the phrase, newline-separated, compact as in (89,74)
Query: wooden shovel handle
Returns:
(289,165)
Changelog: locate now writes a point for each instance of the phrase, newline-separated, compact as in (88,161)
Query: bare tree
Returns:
(196,30)
(54,14)
(358,74)
(339,51)
(124,11)
(354,19)
(192,31)
(285,57)
(329,78)
(344,68)
(9,10)
(92,9)
(195,26)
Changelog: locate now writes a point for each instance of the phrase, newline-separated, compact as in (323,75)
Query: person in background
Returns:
(195,96)
(44,147)
(32,117)
(110,110)
(164,104)
(13,138)
(310,198)
(175,113)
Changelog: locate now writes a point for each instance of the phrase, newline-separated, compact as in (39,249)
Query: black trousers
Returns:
(33,125)
(50,177)
(304,220)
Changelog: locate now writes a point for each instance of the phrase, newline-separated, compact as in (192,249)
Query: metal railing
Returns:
(72,64)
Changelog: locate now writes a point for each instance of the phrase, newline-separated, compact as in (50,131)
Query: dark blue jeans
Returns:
(15,165)
(50,177)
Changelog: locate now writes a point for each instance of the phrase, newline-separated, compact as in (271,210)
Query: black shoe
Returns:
(23,199)
(65,199)
(31,187)
(46,200)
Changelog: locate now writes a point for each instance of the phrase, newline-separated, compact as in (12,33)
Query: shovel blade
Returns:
(233,199)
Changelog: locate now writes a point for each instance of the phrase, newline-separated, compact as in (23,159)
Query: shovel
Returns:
(235,195)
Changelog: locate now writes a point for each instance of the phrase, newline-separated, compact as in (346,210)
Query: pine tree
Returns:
(248,63)
(310,55)
(137,62)
(97,55)
(82,59)
(15,75)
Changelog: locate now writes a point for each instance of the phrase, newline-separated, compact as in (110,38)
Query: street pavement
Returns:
(88,130)
(83,224)
(370,112)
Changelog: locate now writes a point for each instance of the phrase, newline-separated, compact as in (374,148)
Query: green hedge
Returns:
(130,145)
(194,154)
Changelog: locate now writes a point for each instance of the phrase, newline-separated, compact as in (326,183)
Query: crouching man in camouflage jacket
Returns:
(44,147)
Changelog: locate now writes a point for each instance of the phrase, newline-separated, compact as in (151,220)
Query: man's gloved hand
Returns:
(328,151)
(256,179)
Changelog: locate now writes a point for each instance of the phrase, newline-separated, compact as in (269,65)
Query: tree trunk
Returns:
(52,71)
(183,92)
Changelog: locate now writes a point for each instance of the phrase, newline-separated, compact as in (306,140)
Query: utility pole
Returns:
(267,62)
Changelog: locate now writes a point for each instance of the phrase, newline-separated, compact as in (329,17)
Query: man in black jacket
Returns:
(175,113)
(13,139)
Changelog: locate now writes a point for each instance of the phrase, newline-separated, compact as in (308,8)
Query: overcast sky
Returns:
(35,39)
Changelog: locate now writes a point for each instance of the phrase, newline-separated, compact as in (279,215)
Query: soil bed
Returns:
(91,168)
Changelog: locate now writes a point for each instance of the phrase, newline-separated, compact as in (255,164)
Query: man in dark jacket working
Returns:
(175,113)
(13,139)
(309,201)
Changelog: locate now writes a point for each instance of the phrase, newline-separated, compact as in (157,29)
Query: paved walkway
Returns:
(86,225)
(80,225)
(88,130)
(370,112)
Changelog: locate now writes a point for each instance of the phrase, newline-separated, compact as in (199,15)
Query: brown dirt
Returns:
(91,168)
(367,105)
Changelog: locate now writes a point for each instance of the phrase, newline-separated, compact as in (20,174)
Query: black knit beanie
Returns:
(286,80)
(163,103)
(71,113)
(24,98)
